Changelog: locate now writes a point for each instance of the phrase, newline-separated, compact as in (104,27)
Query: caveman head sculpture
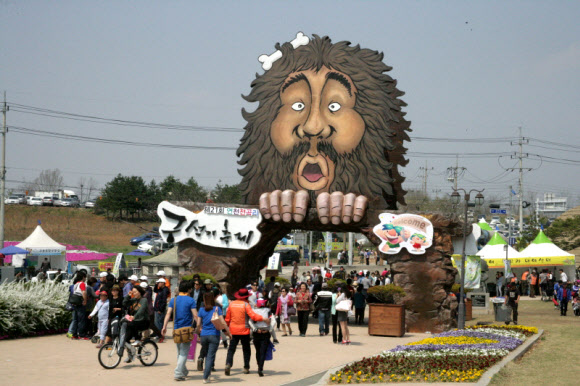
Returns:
(328,129)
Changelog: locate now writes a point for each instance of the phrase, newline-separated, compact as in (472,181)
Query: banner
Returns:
(105,266)
(119,263)
(472,270)
(410,231)
(517,262)
(335,246)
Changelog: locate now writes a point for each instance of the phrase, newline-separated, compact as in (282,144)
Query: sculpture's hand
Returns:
(339,207)
(286,206)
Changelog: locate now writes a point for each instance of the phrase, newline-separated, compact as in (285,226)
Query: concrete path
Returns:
(56,360)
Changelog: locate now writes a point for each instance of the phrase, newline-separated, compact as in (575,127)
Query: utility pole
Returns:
(520,155)
(425,175)
(3,172)
(455,172)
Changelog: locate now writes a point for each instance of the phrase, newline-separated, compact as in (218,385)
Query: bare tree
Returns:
(90,187)
(49,180)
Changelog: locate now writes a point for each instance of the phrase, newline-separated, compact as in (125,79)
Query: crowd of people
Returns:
(255,314)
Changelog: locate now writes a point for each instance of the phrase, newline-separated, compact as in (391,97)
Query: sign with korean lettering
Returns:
(232,228)
(516,262)
(44,251)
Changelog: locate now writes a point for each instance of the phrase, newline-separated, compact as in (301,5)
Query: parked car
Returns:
(47,201)
(144,237)
(12,200)
(21,197)
(289,256)
(56,201)
(69,202)
(147,246)
(28,198)
(36,201)
(90,204)
(159,246)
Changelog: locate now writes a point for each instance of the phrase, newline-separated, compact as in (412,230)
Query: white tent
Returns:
(41,245)
(494,252)
(542,252)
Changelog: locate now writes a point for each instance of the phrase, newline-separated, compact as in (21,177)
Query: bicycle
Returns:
(109,357)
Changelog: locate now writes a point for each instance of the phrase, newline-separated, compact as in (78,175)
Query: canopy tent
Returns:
(484,225)
(543,252)
(40,244)
(494,252)
(13,250)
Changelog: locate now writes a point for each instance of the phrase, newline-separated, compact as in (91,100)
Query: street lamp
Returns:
(455,199)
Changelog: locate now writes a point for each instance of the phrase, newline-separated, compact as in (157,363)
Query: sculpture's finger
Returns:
(275,204)
(360,205)
(336,200)
(265,205)
(322,206)
(287,201)
(348,208)
(300,205)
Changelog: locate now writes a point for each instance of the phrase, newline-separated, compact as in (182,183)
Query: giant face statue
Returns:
(328,128)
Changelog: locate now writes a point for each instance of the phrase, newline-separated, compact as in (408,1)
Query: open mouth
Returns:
(393,240)
(312,172)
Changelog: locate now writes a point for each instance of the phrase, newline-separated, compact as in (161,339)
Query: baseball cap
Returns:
(324,285)
(161,273)
(207,281)
(133,277)
(160,281)
(103,274)
(276,284)
(143,284)
(144,278)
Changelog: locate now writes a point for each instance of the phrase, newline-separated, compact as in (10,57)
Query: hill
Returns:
(73,226)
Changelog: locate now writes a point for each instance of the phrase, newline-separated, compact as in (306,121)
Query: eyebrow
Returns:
(341,79)
(294,79)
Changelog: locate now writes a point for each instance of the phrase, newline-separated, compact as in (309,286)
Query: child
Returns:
(564,298)
(557,286)
(102,308)
(576,305)
(359,305)
(262,331)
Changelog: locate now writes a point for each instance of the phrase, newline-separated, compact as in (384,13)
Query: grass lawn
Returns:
(73,226)
(553,359)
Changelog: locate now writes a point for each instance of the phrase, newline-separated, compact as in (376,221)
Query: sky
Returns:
(469,70)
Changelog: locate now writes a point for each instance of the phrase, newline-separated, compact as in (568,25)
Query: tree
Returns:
(565,233)
(49,180)
(224,193)
(124,194)
(88,187)
(174,190)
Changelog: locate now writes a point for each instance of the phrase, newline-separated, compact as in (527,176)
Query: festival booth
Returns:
(543,253)
(494,253)
(40,245)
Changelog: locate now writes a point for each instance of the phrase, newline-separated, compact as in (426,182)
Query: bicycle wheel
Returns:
(147,353)
(108,357)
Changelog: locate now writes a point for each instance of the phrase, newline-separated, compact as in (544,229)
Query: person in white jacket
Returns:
(262,332)
(102,312)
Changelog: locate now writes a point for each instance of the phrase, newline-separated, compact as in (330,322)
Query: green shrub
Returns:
(202,277)
(456,288)
(388,294)
(336,283)
(283,282)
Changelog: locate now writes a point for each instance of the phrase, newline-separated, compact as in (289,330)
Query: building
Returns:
(551,206)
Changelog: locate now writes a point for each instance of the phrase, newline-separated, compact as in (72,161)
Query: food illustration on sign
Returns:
(413,232)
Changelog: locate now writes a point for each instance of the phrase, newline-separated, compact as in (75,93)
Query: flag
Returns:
(514,192)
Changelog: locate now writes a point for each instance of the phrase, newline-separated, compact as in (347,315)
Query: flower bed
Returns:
(32,309)
(453,356)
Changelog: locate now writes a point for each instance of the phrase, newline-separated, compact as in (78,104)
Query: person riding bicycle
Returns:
(136,320)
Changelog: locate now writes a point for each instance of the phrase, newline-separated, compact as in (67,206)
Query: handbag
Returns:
(344,305)
(291,311)
(270,352)
(183,334)
(192,348)
(218,321)
(69,307)
(74,299)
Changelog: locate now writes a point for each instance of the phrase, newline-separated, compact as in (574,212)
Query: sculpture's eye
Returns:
(298,106)
(334,107)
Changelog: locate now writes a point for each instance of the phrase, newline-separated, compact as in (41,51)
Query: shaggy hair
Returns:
(371,168)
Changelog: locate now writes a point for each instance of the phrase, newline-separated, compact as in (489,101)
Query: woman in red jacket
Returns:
(284,302)
(236,320)
(303,300)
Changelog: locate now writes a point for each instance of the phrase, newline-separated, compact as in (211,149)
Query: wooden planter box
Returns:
(468,309)
(386,319)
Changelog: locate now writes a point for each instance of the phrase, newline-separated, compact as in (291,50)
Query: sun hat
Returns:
(103,274)
(161,273)
(160,281)
(144,278)
(276,284)
(242,294)
(133,278)
(144,284)
(207,281)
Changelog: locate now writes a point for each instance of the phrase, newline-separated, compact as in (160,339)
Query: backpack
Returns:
(274,300)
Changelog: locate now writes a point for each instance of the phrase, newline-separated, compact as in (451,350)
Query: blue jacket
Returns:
(561,293)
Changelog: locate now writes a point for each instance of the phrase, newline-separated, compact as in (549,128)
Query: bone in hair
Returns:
(267,61)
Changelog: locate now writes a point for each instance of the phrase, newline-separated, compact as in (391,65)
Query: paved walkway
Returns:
(55,360)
